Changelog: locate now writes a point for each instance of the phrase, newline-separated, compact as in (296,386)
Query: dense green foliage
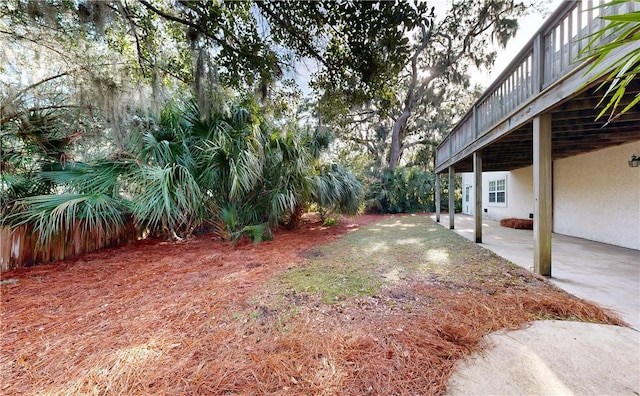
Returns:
(88,135)
(403,190)
(424,88)
(229,169)
(408,190)
(247,45)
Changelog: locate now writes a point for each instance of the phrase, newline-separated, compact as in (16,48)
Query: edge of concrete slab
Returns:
(553,357)
(606,274)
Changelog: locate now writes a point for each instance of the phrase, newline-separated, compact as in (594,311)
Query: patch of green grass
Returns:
(333,282)
(390,252)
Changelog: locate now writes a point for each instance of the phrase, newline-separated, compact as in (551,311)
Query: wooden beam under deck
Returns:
(575,130)
(516,149)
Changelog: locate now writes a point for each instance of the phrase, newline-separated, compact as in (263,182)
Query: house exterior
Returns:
(536,148)
(595,195)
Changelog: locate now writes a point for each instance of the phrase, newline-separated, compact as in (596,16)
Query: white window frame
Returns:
(496,192)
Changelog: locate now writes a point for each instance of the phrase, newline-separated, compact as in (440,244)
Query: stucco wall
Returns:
(519,197)
(597,196)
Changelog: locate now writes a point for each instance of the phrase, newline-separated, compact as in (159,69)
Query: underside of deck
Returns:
(575,130)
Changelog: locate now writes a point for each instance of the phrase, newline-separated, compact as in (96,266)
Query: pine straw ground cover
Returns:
(387,309)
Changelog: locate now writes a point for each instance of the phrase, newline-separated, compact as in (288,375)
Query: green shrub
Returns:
(331,221)
(404,190)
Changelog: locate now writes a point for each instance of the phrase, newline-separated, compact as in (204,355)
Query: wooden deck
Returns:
(539,110)
(544,78)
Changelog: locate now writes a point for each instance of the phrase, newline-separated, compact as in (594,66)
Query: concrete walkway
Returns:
(553,358)
(560,357)
(605,274)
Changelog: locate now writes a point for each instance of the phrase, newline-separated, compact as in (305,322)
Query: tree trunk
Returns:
(396,138)
(296,217)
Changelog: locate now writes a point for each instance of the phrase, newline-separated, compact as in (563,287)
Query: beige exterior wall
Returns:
(519,194)
(597,196)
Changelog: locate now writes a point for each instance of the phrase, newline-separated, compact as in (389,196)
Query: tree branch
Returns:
(38,42)
(416,143)
(365,119)
(286,25)
(13,115)
(36,84)
(124,10)
(199,28)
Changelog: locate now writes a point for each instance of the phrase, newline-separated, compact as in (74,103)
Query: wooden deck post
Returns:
(437,198)
(477,172)
(452,200)
(542,223)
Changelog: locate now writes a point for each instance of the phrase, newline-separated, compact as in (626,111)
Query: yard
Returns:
(375,305)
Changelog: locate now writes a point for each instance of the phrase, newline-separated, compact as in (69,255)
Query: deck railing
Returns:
(550,55)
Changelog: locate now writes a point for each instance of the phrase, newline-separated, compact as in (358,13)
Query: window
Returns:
(498,192)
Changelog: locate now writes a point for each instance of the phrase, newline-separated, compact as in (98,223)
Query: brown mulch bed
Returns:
(202,317)
(519,224)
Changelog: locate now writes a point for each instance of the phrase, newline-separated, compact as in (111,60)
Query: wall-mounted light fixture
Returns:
(634,162)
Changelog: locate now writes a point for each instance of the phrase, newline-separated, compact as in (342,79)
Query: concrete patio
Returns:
(605,274)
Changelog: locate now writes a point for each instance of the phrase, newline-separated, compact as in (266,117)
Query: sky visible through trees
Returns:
(528,27)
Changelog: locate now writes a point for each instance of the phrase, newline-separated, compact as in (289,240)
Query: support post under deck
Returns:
(437,197)
(542,184)
(477,173)
(452,200)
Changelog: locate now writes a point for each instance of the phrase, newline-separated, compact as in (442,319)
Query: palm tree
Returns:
(620,31)
(191,169)
(153,181)
(296,177)
(170,197)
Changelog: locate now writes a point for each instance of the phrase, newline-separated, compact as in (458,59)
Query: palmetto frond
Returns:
(281,202)
(339,190)
(621,31)
(182,171)
(53,214)
(234,154)
(102,176)
(167,198)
